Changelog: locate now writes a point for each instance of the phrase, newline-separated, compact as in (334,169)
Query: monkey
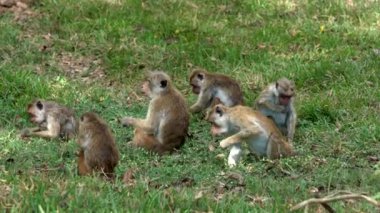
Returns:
(277,102)
(209,86)
(53,120)
(98,151)
(165,127)
(243,124)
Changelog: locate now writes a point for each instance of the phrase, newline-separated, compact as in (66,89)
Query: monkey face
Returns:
(284,99)
(285,90)
(219,120)
(36,111)
(145,88)
(196,80)
(157,83)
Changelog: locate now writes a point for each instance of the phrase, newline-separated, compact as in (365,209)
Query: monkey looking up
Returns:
(244,125)
(277,103)
(98,152)
(209,86)
(165,127)
(53,120)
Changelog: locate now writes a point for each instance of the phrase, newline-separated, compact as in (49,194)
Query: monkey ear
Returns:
(164,83)
(200,76)
(39,105)
(219,110)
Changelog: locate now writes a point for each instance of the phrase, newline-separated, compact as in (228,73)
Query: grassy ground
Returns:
(91,55)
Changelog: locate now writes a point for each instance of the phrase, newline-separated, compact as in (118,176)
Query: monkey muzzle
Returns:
(215,129)
(285,99)
(32,117)
(196,89)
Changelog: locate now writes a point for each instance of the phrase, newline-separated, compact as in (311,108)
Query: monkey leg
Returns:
(278,147)
(239,137)
(83,169)
(170,144)
(235,154)
(141,139)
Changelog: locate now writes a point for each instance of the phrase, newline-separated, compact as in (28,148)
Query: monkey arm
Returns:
(203,101)
(238,137)
(291,124)
(265,102)
(147,125)
(26,132)
(53,129)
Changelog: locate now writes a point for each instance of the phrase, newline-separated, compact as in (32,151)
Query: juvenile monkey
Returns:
(98,152)
(53,120)
(165,127)
(209,86)
(276,102)
(243,124)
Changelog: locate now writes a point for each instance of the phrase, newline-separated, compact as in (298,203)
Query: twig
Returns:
(324,205)
(335,198)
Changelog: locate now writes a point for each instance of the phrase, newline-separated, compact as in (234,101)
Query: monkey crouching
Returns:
(243,125)
(210,86)
(98,152)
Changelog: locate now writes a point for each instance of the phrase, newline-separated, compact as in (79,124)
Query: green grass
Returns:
(327,47)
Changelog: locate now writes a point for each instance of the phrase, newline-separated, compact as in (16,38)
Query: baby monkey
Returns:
(53,120)
(165,127)
(98,152)
(209,86)
(277,103)
(242,124)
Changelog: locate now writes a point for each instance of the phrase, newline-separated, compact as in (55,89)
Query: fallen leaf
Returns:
(199,195)
(129,177)
(211,148)
(373,159)
(220,156)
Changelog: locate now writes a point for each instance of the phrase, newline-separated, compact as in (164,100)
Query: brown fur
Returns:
(209,85)
(165,127)
(98,151)
(53,120)
(246,125)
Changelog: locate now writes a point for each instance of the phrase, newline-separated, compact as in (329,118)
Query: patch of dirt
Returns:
(5,190)
(87,69)
(20,8)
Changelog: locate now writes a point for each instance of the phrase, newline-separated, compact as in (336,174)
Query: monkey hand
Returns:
(224,143)
(194,109)
(25,133)
(127,121)
(281,108)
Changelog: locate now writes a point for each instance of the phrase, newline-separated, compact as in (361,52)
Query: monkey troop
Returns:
(269,131)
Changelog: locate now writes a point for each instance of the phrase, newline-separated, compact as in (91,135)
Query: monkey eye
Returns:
(219,111)
(163,83)
(200,76)
(81,118)
(39,105)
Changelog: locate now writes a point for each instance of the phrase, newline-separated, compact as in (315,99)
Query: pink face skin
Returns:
(145,88)
(215,130)
(196,89)
(284,99)
(31,114)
